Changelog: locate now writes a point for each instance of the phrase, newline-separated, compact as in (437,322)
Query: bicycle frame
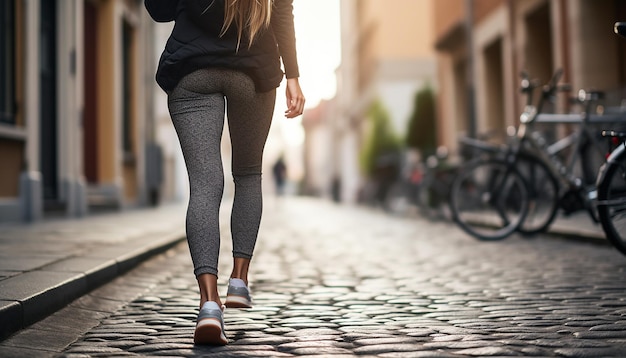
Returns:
(613,158)
(562,169)
(532,142)
(617,153)
(566,179)
(548,154)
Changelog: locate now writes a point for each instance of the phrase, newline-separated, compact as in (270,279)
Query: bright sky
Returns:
(318,37)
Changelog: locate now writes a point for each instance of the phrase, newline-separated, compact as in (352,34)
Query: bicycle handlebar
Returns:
(528,85)
(614,134)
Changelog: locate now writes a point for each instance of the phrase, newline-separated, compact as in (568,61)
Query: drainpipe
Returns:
(566,49)
(471,107)
(513,52)
(31,182)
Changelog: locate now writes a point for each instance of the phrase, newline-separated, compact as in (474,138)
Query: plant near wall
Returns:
(381,140)
(422,125)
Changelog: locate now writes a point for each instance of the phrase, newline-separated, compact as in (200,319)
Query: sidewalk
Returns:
(578,225)
(45,266)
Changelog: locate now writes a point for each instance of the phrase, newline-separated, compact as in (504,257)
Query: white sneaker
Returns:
(238,295)
(210,326)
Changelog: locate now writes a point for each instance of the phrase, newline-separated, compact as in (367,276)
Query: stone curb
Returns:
(37,294)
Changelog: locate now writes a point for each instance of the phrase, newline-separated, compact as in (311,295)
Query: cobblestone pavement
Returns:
(330,280)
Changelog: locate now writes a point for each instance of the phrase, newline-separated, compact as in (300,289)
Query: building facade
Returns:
(386,55)
(76,108)
(484,45)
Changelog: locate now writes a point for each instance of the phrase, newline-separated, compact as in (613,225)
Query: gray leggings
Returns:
(197,107)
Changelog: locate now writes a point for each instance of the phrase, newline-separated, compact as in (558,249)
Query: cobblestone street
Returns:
(334,280)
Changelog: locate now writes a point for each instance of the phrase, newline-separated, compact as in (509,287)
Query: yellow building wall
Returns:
(447,15)
(405,28)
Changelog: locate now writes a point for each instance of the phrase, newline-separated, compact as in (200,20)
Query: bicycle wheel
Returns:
(489,199)
(543,194)
(612,202)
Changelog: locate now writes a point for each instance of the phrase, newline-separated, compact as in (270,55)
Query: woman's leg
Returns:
(197,109)
(240,269)
(199,120)
(249,119)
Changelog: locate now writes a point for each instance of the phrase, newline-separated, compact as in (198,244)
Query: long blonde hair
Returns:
(250,16)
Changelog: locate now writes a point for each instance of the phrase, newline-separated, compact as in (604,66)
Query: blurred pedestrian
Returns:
(223,57)
(279,170)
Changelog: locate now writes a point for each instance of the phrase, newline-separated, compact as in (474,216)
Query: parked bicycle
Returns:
(522,186)
(611,203)
(434,189)
(401,198)
(423,185)
(543,205)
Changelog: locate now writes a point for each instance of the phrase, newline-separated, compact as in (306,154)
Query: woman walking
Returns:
(223,57)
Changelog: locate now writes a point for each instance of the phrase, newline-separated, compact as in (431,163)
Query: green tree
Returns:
(381,138)
(422,126)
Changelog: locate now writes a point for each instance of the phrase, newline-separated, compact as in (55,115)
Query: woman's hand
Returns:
(295,98)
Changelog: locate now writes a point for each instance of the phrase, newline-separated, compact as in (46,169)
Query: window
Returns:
(7,62)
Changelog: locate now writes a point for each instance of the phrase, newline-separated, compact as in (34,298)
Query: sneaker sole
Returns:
(209,332)
(237,302)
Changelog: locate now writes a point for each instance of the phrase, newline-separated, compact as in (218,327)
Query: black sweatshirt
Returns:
(195,43)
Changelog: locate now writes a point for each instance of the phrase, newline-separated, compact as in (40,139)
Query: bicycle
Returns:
(423,186)
(402,194)
(432,197)
(611,202)
(611,183)
(543,189)
(491,198)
